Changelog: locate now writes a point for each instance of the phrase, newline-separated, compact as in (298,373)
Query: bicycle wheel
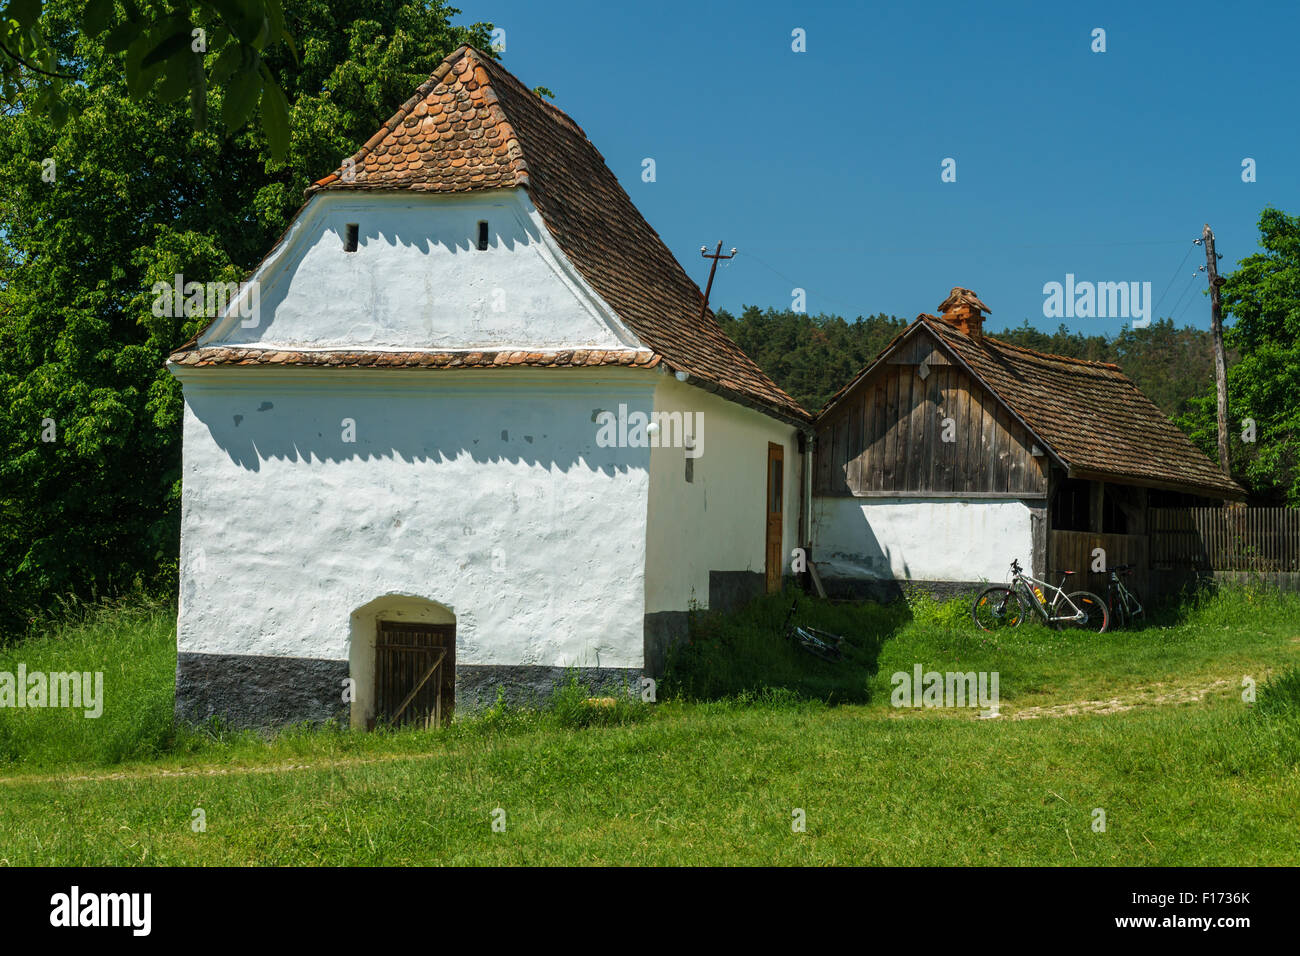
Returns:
(997,607)
(818,649)
(1116,608)
(809,642)
(1095,616)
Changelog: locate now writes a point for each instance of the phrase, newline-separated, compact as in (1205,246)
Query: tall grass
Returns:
(133,644)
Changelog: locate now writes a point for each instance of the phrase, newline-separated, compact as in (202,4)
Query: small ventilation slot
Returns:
(482,234)
(350,240)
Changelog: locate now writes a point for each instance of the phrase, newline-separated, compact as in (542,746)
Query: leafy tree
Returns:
(171,50)
(811,357)
(1262,300)
(122,195)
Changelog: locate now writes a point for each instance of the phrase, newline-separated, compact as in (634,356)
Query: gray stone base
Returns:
(663,630)
(526,685)
(263,693)
(728,591)
(259,692)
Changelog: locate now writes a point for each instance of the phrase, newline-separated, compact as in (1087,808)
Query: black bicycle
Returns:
(823,644)
(1125,606)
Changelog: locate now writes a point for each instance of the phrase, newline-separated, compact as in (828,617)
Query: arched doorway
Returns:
(402,661)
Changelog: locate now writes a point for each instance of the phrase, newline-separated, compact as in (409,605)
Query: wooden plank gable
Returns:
(919,424)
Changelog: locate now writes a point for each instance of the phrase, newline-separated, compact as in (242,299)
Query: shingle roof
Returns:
(487,358)
(473,126)
(1090,415)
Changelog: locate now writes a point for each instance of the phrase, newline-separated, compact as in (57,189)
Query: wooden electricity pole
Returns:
(1216,332)
(715,256)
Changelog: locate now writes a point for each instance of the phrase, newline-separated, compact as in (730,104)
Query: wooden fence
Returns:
(1075,551)
(1225,539)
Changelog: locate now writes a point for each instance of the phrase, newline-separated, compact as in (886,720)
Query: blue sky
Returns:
(823,167)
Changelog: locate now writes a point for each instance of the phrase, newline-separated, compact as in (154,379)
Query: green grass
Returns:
(713,775)
(134,645)
(1232,634)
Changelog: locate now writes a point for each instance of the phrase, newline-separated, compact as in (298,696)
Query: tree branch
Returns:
(35,69)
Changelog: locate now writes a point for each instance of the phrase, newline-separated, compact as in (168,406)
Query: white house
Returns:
(417,467)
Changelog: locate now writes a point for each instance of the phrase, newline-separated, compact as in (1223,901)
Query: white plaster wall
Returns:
(418,281)
(920,539)
(483,491)
(717,522)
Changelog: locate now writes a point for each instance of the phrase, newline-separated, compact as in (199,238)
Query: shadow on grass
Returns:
(745,653)
(1209,601)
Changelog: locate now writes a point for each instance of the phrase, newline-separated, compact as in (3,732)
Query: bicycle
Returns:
(1122,601)
(823,644)
(1005,606)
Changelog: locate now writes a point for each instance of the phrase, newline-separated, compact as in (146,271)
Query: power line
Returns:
(928,250)
(1191,284)
(855,310)
(1187,256)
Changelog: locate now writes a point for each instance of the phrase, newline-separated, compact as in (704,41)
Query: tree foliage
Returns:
(169,51)
(1261,303)
(137,196)
(812,357)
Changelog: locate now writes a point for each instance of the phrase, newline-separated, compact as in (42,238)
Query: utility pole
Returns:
(715,256)
(1216,332)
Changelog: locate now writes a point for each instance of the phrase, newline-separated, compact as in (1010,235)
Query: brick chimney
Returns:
(963,311)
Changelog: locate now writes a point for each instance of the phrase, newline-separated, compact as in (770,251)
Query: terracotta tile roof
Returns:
(472,126)
(1090,415)
(452,135)
(575,358)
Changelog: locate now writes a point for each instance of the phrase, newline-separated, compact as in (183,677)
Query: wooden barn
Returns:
(953,453)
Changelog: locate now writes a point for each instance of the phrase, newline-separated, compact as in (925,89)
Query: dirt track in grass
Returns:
(1160,694)
(1156,695)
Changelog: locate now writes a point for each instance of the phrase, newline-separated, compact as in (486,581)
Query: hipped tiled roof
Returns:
(473,126)
(1090,415)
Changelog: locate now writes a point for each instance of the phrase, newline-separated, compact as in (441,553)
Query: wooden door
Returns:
(775,507)
(415,673)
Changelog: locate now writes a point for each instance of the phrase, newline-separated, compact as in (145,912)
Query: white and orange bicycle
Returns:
(1003,605)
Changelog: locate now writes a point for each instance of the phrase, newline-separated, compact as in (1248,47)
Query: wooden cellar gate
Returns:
(415,673)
